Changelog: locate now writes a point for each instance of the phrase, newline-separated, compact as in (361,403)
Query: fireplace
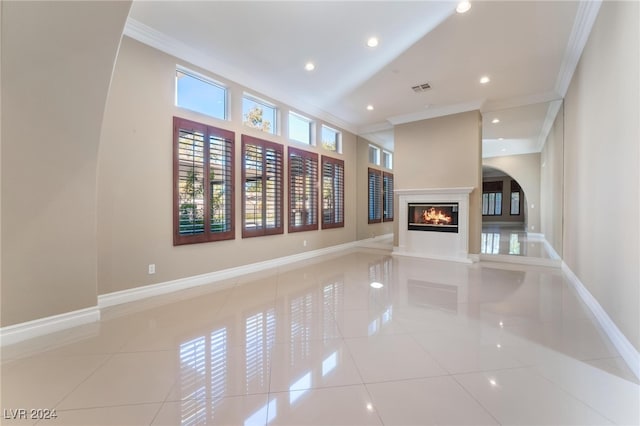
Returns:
(436,217)
(444,212)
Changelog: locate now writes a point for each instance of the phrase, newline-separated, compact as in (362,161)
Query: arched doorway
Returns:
(504,214)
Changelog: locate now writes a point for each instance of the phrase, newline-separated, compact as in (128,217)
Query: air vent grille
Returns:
(421,88)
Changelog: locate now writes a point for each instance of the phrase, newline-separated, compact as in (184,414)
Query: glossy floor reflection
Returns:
(511,240)
(316,343)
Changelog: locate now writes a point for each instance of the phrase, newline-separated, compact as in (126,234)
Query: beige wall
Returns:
(57,60)
(525,169)
(601,162)
(443,152)
(366,229)
(551,184)
(135,181)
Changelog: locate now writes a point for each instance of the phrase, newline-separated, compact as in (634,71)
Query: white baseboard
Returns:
(27,330)
(628,352)
(138,293)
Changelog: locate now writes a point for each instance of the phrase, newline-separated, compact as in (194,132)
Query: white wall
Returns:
(601,163)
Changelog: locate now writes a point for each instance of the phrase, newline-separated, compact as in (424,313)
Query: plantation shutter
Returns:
(303,190)
(375,195)
(262,192)
(332,192)
(203,183)
(387,189)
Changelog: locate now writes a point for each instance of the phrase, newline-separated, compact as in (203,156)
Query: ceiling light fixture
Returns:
(463,6)
(372,42)
(484,79)
(309,66)
(495,120)
(369,107)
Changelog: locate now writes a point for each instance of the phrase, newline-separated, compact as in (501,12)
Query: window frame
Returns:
(515,189)
(337,212)
(376,150)
(310,128)
(229,138)
(264,103)
(338,138)
(309,159)
(197,76)
(279,189)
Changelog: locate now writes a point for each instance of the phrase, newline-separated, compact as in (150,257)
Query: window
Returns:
(199,94)
(515,198)
(303,190)
(331,139)
(492,198)
(332,193)
(300,128)
(374,155)
(387,197)
(380,196)
(387,159)
(203,176)
(262,190)
(258,114)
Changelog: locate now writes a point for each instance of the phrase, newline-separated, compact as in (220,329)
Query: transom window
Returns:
(300,128)
(332,192)
(303,190)
(331,139)
(259,114)
(374,155)
(199,94)
(203,176)
(262,190)
(387,159)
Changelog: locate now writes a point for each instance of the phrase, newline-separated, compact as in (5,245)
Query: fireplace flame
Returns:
(433,217)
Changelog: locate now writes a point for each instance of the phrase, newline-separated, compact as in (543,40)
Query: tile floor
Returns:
(511,240)
(315,343)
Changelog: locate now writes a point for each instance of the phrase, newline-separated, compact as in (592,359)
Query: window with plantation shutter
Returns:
(203,177)
(303,190)
(262,190)
(332,192)
(375,195)
(387,197)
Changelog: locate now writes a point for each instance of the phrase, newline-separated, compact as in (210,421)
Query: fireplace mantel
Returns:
(434,245)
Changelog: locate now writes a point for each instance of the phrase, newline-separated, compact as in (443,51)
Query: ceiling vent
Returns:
(421,88)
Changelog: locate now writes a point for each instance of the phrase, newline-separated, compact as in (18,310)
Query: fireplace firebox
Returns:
(437,217)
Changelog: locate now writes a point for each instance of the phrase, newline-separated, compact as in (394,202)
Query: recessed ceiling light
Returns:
(484,79)
(495,120)
(463,6)
(369,107)
(376,285)
(309,66)
(372,42)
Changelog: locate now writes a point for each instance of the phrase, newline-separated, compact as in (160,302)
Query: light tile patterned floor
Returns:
(315,343)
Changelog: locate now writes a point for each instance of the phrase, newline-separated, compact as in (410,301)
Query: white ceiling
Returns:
(527,48)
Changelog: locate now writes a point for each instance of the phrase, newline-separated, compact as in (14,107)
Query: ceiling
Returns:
(528,49)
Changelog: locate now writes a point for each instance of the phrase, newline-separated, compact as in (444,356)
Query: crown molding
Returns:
(582,25)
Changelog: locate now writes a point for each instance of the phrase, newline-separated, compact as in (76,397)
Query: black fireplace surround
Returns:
(435,217)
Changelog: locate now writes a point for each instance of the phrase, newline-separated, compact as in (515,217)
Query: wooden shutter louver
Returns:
(203,183)
(387,200)
(375,195)
(332,193)
(262,192)
(303,190)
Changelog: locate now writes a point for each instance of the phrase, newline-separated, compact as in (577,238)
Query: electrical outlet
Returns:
(152,268)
